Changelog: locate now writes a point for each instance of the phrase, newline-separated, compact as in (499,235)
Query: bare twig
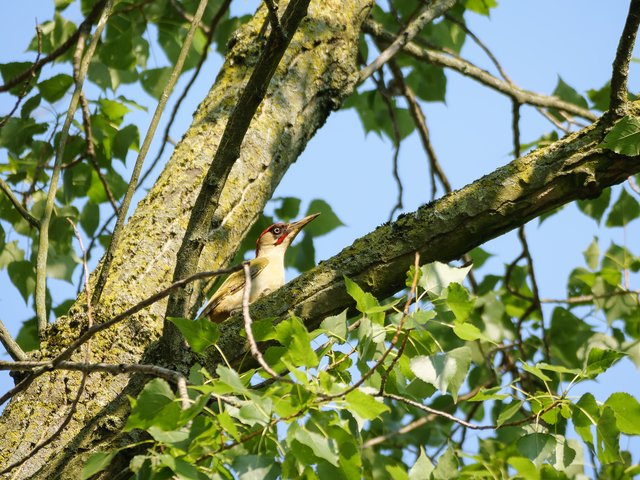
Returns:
(135,175)
(431,11)
(43,241)
(255,351)
(85,25)
(165,137)
(470,70)
(109,323)
(620,73)
(10,345)
(386,98)
(33,221)
(227,152)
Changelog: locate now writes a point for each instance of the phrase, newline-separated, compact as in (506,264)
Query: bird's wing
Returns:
(233,284)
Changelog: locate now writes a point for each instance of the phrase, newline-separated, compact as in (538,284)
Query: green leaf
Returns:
(437,276)
(183,469)
(200,333)
(592,254)
(608,436)
(325,223)
(11,70)
(508,412)
(231,380)
(292,333)
(23,276)
(623,211)
(54,88)
(422,468)
(30,105)
(624,137)
(568,94)
(428,82)
(365,405)
(96,463)
(256,467)
(90,218)
(445,371)
(525,468)
(596,207)
(289,209)
(488,394)
(447,466)
(28,337)
(155,406)
(482,7)
(336,325)
(585,414)
(627,412)
(322,447)
(479,257)
(537,447)
(364,300)
(459,301)
(154,80)
(600,360)
(124,139)
(469,332)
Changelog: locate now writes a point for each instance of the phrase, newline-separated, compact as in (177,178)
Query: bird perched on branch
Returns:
(267,270)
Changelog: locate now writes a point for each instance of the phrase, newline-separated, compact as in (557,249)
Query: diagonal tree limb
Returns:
(470,70)
(620,73)
(228,151)
(142,153)
(570,169)
(430,12)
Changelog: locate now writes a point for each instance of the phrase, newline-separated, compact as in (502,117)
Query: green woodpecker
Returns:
(267,271)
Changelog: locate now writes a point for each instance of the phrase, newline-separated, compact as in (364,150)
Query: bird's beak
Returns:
(295,227)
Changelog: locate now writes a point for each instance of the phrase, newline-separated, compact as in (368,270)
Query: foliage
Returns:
(390,393)
(471,377)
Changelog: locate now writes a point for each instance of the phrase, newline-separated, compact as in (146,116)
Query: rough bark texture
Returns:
(570,169)
(317,72)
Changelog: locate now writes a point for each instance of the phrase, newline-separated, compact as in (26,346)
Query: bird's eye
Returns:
(276,230)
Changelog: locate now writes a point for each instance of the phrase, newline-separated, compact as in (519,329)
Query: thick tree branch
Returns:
(430,12)
(202,216)
(570,169)
(620,72)
(470,70)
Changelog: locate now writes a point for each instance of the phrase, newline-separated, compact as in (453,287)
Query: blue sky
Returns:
(536,41)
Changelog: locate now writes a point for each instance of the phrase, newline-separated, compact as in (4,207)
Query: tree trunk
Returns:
(317,72)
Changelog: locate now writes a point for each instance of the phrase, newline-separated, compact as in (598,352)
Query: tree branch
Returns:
(470,70)
(202,220)
(85,25)
(431,11)
(33,221)
(43,240)
(142,153)
(620,74)
(570,169)
(10,345)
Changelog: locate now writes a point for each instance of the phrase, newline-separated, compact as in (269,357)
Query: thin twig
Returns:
(43,241)
(165,137)
(61,50)
(33,221)
(386,98)
(103,326)
(135,175)
(392,345)
(470,70)
(431,11)
(10,345)
(620,73)
(255,351)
